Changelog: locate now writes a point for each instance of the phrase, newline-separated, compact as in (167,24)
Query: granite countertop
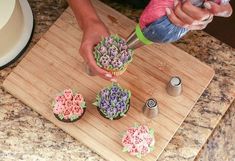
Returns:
(26,135)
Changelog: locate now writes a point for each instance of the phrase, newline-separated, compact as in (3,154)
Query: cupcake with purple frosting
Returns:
(113,54)
(113,102)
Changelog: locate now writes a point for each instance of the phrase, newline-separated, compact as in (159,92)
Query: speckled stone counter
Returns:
(25,135)
(221,145)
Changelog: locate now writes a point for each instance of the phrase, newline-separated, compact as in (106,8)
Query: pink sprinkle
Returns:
(138,140)
(143,129)
(126,140)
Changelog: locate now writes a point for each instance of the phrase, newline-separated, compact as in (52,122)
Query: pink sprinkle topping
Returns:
(69,105)
(138,141)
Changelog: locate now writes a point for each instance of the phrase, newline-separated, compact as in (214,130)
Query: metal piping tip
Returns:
(174,87)
(133,41)
(150,108)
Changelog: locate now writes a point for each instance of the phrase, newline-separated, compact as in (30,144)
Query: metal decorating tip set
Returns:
(174,88)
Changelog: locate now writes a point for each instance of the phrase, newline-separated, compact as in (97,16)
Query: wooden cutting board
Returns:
(54,64)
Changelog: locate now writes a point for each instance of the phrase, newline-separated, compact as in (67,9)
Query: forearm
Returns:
(84,12)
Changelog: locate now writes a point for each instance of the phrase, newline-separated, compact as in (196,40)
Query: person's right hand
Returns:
(92,35)
(184,14)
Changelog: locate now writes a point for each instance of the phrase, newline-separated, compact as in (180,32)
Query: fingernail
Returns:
(108,75)
(113,80)
(195,22)
(223,14)
(185,26)
(207,5)
(168,11)
(176,2)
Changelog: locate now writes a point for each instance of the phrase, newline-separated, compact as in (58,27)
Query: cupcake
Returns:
(138,140)
(69,106)
(113,102)
(112,54)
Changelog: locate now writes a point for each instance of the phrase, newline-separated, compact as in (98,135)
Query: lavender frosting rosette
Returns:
(113,54)
(113,102)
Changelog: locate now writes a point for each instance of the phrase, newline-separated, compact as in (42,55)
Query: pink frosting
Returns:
(77,99)
(58,108)
(154,10)
(68,94)
(60,99)
(77,110)
(68,104)
(138,140)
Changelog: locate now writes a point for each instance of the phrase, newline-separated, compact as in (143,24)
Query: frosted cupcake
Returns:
(113,102)
(113,55)
(69,106)
(138,140)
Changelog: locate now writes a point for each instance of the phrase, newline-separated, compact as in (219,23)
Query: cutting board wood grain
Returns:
(54,64)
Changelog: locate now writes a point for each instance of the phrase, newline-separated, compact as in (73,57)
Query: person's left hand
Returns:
(194,18)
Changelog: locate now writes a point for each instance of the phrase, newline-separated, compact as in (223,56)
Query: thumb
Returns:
(222,10)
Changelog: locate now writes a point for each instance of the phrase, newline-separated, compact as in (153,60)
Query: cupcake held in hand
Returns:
(113,102)
(69,106)
(113,54)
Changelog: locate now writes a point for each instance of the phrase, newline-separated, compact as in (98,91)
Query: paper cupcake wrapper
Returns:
(117,72)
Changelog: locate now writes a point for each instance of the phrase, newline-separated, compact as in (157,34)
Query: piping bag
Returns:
(155,27)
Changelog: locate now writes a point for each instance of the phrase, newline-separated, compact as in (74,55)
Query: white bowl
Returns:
(16,26)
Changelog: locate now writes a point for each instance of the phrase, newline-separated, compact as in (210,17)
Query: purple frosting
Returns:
(113,101)
(112,53)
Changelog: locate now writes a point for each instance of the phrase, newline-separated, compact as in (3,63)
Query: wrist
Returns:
(90,23)
(96,26)
(84,12)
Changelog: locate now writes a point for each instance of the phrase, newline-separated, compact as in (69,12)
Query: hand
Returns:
(194,18)
(92,35)
(224,10)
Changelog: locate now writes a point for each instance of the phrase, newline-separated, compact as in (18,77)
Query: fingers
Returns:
(102,73)
(173,18)
(196,13)
(204,22)
(222,10)
(195,18)
(200,25)
(196,27)
(189,16)
(86,53)
(183,16)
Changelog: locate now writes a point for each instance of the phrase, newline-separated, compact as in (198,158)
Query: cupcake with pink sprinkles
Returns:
(138,140)
(69,106)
